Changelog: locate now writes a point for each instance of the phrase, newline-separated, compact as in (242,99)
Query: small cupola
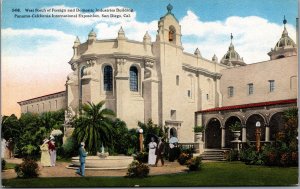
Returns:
(92,35)
(285,47)
(232,58)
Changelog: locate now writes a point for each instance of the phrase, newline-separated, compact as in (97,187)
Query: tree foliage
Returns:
(30,129)
(94,126)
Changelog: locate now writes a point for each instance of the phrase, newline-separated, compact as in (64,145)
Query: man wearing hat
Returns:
(82,155)
(160,151)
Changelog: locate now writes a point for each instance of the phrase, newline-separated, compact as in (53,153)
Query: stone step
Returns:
(213,154)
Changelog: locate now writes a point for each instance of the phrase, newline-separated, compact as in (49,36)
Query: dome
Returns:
(232,58)
(285,40)
(92,33)
(285,46)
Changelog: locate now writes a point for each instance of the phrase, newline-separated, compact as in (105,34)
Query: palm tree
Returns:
(94,126)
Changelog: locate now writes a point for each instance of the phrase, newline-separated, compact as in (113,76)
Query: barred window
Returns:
(230,91)
(272,85)
(250,88)
(108,78)
(133,78)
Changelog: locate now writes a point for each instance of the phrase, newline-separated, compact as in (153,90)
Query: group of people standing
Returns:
(48,156)
(156,151)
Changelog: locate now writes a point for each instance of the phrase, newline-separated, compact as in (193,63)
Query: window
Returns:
(272,85)
(55,104)
(230,91)
(80,86)
(177,80)
(26,108)
(107,78)
(207,96)
(189,93)
(82,71)
(173,114)
(172,34)
(250,88)
(133,78)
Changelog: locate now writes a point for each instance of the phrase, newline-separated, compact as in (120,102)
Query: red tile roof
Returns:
(242,106)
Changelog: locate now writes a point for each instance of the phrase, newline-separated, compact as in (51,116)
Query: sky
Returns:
(35,51)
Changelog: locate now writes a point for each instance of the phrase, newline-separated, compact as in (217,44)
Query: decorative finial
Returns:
(169,8)
(77,40)
(284,20)
(231,37)
(121,29)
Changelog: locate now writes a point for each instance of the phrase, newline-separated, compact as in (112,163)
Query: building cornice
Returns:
(201,71)
(42,98)
(251,105)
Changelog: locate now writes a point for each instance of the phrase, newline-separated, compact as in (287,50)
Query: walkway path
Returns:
(60,170)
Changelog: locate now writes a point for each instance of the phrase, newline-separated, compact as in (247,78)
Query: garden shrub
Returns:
(194,164)
(231,155)
(27,169)
(3,164)
(137,169)
(142,157)
(69,148)
(183,158)
(251,157)
(130,151)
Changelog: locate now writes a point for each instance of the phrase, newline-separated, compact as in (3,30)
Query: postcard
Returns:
(147,93)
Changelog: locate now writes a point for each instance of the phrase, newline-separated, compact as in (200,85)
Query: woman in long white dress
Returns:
(152,147)
(45,156)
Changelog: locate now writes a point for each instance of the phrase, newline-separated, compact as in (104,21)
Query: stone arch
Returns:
(231,119)
(172,34)
(260,114)
(139,76)
(213,133)
(213,117)
(275,124)
(173,132)
(240,117)
(251,126)
(102,77)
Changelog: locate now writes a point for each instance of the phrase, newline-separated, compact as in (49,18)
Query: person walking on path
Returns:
(10,148)
(82,155)
(160,152)
(173,145)
(152,148)
(45,155)
(52,151)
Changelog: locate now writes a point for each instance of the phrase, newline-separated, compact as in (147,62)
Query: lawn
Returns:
(212,174)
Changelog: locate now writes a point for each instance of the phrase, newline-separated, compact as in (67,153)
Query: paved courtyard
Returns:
(60,170)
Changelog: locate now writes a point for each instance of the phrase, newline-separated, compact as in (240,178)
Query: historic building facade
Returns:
(157,80)
(253,92)
(46,103)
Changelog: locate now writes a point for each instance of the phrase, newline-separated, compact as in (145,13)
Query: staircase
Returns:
(213,154)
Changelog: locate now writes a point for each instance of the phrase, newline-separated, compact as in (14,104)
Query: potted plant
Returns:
(236,130)
(198,133)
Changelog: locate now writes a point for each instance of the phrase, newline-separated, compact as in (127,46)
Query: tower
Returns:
(285,47)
